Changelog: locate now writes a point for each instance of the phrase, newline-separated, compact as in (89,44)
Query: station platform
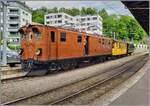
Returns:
(138,94)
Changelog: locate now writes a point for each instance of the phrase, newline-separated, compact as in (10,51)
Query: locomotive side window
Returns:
(52,36)
(63,36)
(79,38)
(108,42)
(36,33)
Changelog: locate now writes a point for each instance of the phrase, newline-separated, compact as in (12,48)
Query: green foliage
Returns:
(38,15)
(124,27)
(14,47)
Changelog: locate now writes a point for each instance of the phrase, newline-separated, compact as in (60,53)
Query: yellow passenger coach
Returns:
(119,48)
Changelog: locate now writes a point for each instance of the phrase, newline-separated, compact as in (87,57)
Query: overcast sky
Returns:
(111,6)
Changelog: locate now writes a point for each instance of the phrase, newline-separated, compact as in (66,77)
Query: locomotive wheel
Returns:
(64,66)
(53,67)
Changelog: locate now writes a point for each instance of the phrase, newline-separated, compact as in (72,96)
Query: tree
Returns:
(103,13)
(126,27)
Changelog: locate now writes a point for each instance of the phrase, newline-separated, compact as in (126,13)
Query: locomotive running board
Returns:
(37,73)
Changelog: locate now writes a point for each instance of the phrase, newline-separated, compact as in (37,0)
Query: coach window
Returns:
(52,36)
(99,41)
(63,36)
(36,33)
(103,41)
(79,38)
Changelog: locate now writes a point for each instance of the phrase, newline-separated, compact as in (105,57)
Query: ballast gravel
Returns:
(15,90)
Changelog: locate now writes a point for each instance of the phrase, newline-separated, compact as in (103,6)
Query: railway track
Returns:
(78,98)
(23,77)
(62,96)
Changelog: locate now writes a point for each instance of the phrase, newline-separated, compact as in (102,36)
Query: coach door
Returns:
(86,45)
(52,45)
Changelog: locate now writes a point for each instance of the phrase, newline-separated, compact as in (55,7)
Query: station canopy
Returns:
(140,10)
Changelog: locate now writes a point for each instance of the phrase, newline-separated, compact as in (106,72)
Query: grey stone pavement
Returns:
(138,94)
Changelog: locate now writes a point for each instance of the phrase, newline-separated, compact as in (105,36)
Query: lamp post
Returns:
(4,35)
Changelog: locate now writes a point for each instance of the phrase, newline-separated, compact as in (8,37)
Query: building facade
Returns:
(17,15)
(59,19)
(90,24)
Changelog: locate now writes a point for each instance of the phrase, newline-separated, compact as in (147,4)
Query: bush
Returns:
(14,47)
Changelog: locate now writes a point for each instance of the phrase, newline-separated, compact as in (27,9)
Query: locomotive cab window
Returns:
(36,33)
(22,34)
(63,36)
(30,36)
(52,36)
(79,38)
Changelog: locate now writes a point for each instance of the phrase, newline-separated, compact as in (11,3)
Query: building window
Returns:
(59,16)
(47,22)
(82,19)
(13,11)
(79,38)
(63,36)
(94,18)
(13,25)
(13,18)
(47,17)
(88,18)
(52,36)
(59,21)
(66,17)
(13,33)
(66,22)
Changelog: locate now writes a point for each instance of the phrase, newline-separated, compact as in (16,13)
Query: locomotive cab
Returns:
(33,48)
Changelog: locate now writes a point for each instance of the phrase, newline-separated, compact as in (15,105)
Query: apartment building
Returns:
(18,14)
(59,19)
(90,24)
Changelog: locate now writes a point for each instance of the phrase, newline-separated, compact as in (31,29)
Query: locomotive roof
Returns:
(120,41)
(67,29)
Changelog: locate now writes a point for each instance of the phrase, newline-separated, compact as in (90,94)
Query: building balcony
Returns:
(13,27)
(13,20)
(14,13)
(10,20)
(13,36)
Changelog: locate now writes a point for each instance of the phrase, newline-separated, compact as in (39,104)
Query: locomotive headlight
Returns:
(38,51)
(20,51)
